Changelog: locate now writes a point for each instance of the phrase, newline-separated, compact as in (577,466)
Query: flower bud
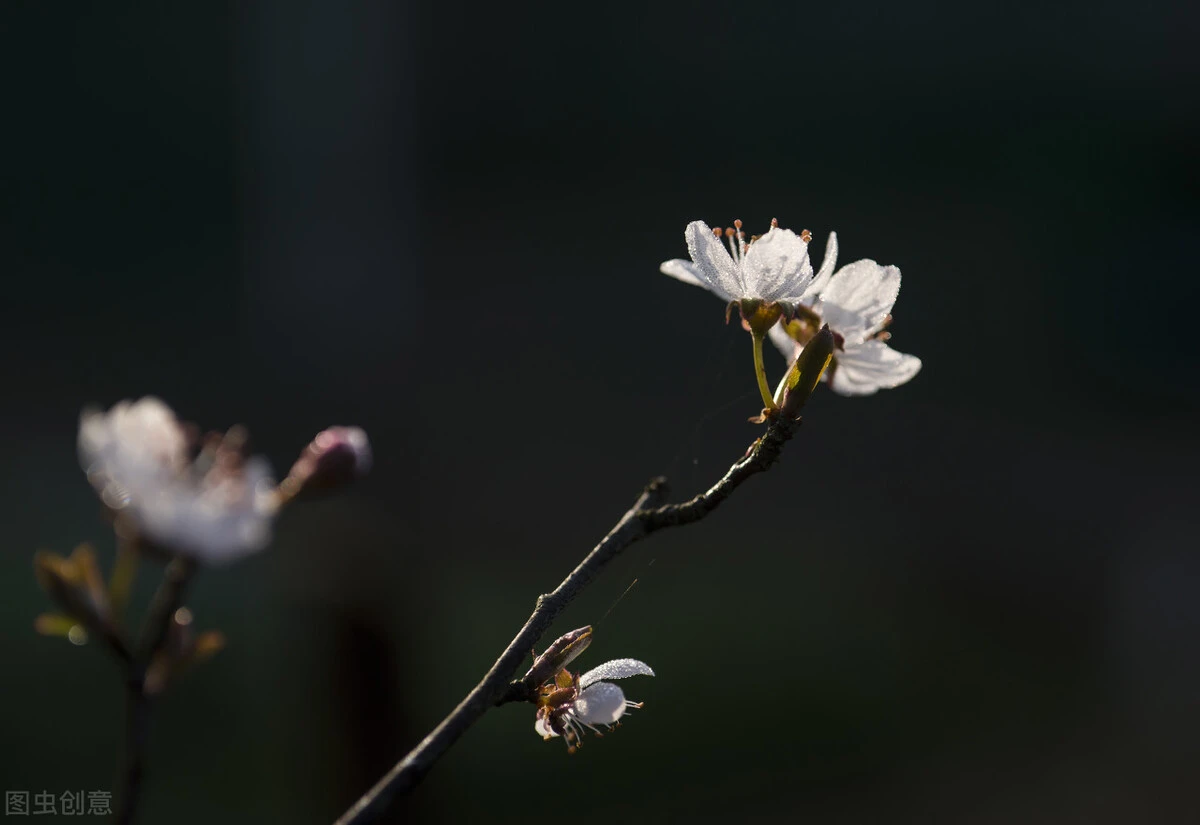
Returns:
(337,456)
(805,373)
(74,583)
(561,652)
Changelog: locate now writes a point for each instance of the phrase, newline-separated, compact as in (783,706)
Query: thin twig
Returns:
(646,516)
(154,635)
(762,454)
(166,601)
(137,729)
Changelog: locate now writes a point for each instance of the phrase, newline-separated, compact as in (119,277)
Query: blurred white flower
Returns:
(569,704)
(214,507)
(771,268)
(856,302)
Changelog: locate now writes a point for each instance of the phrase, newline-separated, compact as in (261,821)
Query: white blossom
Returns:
(215,507)
(856,302)
(587,701)
(771,268)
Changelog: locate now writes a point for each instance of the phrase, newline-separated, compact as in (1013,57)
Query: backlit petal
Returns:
(776,266)
(824,273)
(859,297)
(542,726)
(685,271)
(785,343)
(601,704)
(714,267)
(866,368)
(616,669)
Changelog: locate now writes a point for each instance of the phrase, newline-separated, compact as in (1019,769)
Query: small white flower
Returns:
(772,268)
(215,507)
(856,302)
(569,704)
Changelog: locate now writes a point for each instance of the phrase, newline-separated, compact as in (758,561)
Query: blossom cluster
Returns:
(215,505)
(773,276)
(568,703)
(201,497)
(205,499)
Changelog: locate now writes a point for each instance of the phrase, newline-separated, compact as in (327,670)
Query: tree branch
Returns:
(647,515)
(762,454)
(155,632)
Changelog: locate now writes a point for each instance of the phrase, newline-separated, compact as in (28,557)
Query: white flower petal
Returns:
(616,669)
(687,272)
(713,265)
(136,455)
(217,523)
(828,264)
(785,343)
(141,438)
(870,366)
(776,267)
(858,298)
(601,704)
(542,726)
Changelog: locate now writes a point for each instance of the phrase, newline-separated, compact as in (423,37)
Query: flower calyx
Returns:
(758,316)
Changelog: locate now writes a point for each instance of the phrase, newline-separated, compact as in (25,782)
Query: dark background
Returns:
(969,599)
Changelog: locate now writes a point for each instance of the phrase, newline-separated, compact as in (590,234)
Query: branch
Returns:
(155,632)
(758,459)
(647,515)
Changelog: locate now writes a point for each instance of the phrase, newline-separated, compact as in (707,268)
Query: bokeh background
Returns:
(970,599)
